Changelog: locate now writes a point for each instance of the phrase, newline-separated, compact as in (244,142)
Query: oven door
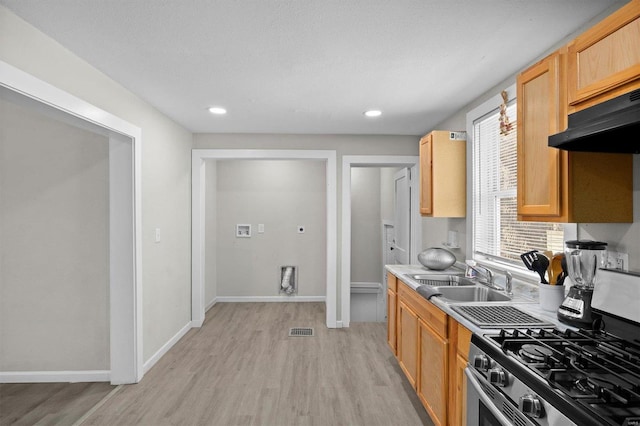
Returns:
(481,410)
(486,405)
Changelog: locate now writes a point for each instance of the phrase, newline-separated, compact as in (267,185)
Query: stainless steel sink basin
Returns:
(471,294)
(440,280)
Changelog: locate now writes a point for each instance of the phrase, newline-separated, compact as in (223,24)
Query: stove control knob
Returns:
(531,406)
(481,362)
(498,377)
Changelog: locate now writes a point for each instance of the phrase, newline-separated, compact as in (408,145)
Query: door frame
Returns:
(385,225)
(403,173)
(349,161)
(125,233)
(198,182)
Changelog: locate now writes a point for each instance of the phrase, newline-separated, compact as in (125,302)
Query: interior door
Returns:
(402,201)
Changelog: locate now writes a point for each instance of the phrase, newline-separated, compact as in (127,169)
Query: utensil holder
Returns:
(550,296)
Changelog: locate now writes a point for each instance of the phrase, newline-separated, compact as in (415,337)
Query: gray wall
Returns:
(54,236)
(166,172)
(372,201)
(281,194)
(366,225)
(342,144)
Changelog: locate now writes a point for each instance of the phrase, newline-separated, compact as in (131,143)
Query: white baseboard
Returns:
(339,324)
(270,299)
(55,376)
(165,348)
(210,304)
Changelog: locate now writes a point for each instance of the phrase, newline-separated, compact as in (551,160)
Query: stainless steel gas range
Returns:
(545,376)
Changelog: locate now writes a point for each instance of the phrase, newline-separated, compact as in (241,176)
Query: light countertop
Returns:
(525,297)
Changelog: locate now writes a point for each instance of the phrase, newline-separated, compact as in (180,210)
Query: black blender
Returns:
(583,258)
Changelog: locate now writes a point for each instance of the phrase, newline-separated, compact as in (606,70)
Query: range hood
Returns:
(612,126)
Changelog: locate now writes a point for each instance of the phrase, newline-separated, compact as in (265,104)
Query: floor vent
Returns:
(301,332)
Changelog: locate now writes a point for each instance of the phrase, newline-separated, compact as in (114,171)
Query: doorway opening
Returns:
(123,229)
(200,158)
(402,177)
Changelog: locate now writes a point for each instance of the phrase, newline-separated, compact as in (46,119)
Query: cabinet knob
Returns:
(531,406)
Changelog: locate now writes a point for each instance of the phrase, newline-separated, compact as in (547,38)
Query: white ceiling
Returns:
(309,66)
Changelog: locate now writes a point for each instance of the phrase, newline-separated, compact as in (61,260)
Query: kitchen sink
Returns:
(440,280)
(470,294)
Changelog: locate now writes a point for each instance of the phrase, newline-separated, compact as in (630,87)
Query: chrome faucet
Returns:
(488,280)
(481,270)
(508,285)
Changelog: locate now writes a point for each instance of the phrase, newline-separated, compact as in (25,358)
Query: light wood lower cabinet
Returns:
(408,342)
(459,412)
(392,312)
(423,350)
(457,379)
(391,320)
(432,352)
(432,386)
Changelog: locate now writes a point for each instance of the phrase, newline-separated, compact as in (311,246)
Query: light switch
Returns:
(260,228)
(157,235)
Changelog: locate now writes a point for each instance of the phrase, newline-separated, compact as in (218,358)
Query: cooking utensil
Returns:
(549,255)
(563,273)
(540,265)
(556,268)
(528,258)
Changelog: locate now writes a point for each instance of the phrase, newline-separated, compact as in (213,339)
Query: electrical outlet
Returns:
(616,260)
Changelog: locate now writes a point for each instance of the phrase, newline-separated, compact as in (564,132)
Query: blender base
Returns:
(575,310)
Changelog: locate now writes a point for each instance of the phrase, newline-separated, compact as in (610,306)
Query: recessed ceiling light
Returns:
(373,113)
(217,110)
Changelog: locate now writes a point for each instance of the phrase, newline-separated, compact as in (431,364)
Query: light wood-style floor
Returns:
(48,403)
(241,368)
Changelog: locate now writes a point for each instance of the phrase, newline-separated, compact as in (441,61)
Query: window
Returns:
(497,234)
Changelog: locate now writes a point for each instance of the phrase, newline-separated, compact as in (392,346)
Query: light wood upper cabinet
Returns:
(539,115)
(556,185)
(604,61)
(443,175)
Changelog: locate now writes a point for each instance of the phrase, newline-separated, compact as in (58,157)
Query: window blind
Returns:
(497,233)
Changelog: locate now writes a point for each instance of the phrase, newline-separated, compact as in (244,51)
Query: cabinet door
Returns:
(432,386)
(391,320)
(426,189)
(460,411)
(408,342)
(604,61)
(539,177)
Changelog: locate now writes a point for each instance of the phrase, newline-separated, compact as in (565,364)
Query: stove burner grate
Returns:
(533,352)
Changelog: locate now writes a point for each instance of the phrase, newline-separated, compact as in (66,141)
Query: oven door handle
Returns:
(475,382)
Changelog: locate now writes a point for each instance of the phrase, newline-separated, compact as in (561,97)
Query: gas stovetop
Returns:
(594,373)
